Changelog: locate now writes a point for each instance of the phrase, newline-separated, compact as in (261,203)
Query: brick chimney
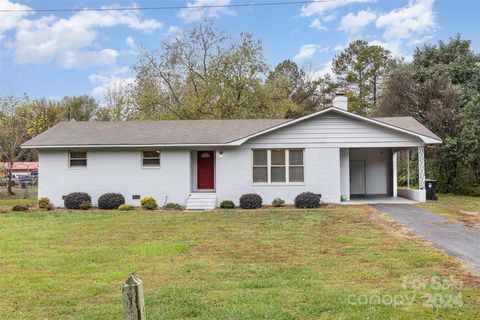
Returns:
(340,101)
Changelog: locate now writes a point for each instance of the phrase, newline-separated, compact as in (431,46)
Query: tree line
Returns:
(208,74)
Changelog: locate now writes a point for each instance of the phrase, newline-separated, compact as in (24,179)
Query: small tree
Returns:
(12,134)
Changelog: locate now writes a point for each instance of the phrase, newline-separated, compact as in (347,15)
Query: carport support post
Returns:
(133,299)
(408,168)
(421,168)
(394,171)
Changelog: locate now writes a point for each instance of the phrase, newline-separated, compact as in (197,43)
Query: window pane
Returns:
(278,157)
(151,162)
(260,157)
(78,163)
(260,174)
(151,154)
(295,174)
(78,155)
(296,157)
(278,174)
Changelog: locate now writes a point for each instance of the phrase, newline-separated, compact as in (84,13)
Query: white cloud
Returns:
(325,69)
(403,26)
(83,59)
(193,14)
(319,8)
(133,47)
(104,83)
(353,24)
(173,30)
(306,51)
(71,42)
(317,24)
(10,20)
(130,42)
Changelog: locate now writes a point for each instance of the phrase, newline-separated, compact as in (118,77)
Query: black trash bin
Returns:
(431,188)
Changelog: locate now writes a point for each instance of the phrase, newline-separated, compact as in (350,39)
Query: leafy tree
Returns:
(470,135)
(288,83)
(361,68)
(80,108)
(12,134)
(454,60)
(439,88)
(205,75)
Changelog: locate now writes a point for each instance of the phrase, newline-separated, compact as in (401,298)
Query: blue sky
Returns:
(52,54)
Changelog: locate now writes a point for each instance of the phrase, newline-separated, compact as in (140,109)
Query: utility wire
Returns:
(232,5)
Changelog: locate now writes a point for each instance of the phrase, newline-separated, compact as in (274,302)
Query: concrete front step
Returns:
(202,201)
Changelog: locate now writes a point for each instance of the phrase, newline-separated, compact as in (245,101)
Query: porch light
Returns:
(220,154)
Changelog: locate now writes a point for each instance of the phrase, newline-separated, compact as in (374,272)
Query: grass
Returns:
(449,206)
(28,198)
(264,264)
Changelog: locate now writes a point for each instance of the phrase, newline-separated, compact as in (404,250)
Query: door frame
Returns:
(364,178)
(194,178)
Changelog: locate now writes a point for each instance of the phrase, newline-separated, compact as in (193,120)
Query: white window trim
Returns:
(150,167)
(287,168)
(77,167)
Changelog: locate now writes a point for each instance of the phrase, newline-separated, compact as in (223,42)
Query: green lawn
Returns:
(449,205)
(28,197)
(266,264)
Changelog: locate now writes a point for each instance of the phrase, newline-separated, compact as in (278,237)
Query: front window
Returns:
(77,159)
(151,158)
(278,166)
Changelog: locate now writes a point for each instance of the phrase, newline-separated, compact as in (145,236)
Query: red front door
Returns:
(205,170)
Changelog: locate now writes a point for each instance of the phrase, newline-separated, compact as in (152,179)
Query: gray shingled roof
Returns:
(174,132)
(408,123)
(150,132)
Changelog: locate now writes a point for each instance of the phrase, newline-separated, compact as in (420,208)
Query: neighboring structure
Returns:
(20,168)
(198,163)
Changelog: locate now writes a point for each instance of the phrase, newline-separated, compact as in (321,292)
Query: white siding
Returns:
(115,171)
(334,130)
(322,175)
(377,169)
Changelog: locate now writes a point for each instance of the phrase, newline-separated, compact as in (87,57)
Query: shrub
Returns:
(250,201)
(126,207)
(172,206)
(227,204)
(277,202)
(44,203)
(307,200)
(109,201)
(19,207)
(75,199)
(148,203)
(86,205)
(49,207)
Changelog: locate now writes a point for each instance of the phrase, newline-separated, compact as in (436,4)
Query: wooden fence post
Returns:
(133,299)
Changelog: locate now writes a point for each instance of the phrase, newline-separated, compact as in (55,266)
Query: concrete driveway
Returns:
(455,238)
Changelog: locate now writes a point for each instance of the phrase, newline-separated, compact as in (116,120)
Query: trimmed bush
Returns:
(44,203)
(227,204)
(110,201)
(19,207)
(86,205)
(172,206)
(250,201)
(148,203)
(277,202)
(126,207)
(307,200)
(75,199)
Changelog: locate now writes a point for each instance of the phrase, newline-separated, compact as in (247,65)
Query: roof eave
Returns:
(93,146)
